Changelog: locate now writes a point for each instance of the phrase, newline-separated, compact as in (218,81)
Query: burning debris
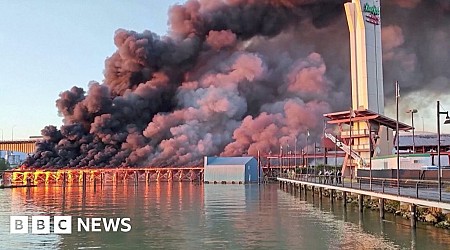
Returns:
(233,77)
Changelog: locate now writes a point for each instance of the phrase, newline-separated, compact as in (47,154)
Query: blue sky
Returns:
(47,47)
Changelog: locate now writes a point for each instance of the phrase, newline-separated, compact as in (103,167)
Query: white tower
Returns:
(364,23)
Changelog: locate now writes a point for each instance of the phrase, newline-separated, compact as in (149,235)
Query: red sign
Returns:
(374,19)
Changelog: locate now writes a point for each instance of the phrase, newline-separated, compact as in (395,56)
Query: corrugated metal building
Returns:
(425,144)
(231,169)
(423,141)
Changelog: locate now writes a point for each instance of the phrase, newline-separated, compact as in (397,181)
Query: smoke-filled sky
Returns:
(230,78)
(48,46)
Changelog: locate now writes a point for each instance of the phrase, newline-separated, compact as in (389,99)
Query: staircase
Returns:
(346,149)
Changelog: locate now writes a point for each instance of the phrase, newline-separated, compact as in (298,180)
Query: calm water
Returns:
(190,216)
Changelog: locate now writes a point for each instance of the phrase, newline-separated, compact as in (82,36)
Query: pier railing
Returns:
(413,188)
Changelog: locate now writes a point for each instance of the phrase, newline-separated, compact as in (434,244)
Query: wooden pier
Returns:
(102,176)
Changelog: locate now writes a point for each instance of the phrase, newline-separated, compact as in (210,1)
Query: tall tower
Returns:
(364,130)
(364,23)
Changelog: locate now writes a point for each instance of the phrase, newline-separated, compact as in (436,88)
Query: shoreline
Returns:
(428,215)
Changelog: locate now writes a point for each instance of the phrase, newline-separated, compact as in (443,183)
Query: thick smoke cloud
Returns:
(417,34)
(234,77)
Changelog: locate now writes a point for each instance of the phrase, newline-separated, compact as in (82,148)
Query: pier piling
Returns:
(136,178)
(344,198)
(381,205)
(64,180)
(372,196)
(83,179)
(99,176)
(412,209)
(360,202)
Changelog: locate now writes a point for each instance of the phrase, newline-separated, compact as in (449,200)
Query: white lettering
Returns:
(82,224)
(108,223)
(126,224)
(63,224)
(95,225)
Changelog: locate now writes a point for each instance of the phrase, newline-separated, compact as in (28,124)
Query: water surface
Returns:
(191,216)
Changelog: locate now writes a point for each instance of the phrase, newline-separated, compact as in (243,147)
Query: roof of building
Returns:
(364,115)
(229,160)
(422,138)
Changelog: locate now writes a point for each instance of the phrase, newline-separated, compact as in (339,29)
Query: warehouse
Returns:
(231,170)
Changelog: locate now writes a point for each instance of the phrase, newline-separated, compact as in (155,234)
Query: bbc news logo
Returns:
(63,225)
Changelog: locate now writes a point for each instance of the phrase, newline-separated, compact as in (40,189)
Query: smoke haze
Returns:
(235,77)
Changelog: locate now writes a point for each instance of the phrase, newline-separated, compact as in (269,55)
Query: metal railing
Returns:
(412,188)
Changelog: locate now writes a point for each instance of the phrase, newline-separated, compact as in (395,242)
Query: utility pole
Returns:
(397,95)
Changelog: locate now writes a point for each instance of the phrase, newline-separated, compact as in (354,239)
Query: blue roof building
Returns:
(231,169)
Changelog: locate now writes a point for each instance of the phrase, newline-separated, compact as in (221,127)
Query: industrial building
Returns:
(231,170)
(416,152)
(422,142)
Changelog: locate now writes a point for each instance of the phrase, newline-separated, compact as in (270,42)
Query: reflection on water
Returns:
(190,216)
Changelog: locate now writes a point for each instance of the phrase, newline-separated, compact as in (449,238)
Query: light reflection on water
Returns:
(191,216)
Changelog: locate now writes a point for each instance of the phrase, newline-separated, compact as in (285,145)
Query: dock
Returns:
(412,192)
(100,176)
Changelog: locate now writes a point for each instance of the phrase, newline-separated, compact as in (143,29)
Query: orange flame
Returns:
(58,176)
(69,176)
(92,175)
(47,177)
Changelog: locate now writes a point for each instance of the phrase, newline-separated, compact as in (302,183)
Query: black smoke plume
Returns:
(234,77)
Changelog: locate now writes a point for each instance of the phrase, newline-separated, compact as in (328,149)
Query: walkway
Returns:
(419,192)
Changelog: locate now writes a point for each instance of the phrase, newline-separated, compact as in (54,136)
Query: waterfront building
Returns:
(231,169)
(424,142)
(424,157)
